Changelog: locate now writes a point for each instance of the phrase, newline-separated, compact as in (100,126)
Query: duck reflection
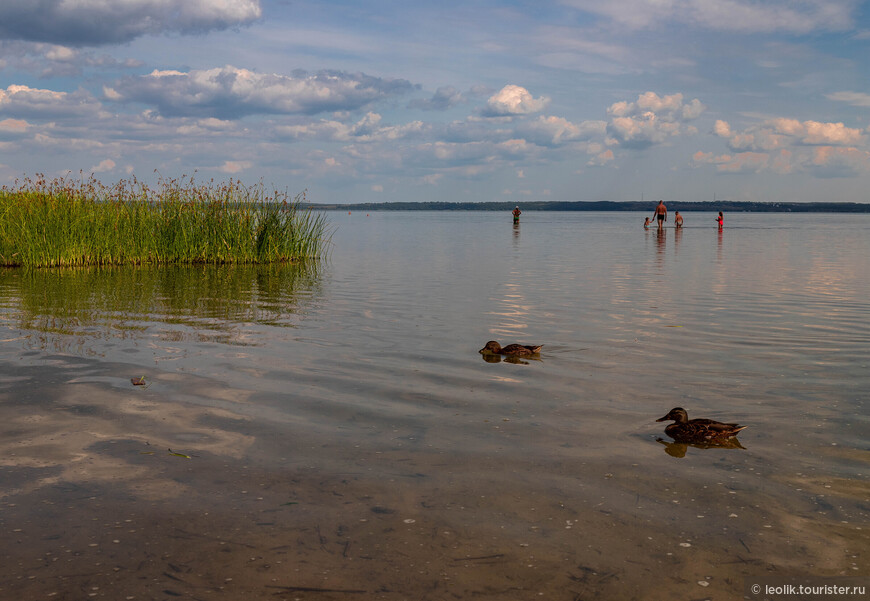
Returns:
(490,358)
(679,449)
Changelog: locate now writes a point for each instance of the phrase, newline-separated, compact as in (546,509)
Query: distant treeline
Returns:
(606,205)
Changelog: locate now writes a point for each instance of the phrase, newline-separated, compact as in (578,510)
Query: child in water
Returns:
(720,220)
(646,223)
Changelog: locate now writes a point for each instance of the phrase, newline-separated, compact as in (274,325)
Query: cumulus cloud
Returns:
(722,129)
(555,131)
(103,166)
(514,100)
(783,145)
(94,22)
(35,103)
(53,60)
(600,159)
(651,119)
(744,16)
(471,158)
(229,92)
(13,125)
(235,166)
(744,162)
(831,161)
(444,98)
(367,129)
(778,133)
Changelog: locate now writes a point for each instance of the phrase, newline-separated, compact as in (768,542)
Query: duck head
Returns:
(677,414)
(491,347)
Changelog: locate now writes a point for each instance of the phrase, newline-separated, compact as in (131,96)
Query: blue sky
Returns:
(389,100)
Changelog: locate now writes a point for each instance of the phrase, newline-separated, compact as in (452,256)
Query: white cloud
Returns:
(367,129)
(832,161)
(641,131)
(514,100)
(783,146)
(103,166)
(229,92)
(97,22)
(555,131)
(744,16)
(21,100)
(744,162)
(444,98)
(13,125)
(601,159)
(235,166)
(777,133)
(651,119)
(853,98)
(668,108)
(722,129)
(53,60)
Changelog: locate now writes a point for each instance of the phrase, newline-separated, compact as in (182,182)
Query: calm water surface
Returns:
(345,438)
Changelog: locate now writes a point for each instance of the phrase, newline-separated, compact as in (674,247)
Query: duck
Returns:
(697,430)
(512,350)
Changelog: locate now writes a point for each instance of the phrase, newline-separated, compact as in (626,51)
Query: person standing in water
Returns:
(678,220)
(661,213)
(516,213)
(720,220)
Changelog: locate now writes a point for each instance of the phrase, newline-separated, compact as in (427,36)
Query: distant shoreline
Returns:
(636,205)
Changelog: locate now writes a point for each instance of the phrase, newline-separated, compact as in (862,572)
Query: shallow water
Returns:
(337,433)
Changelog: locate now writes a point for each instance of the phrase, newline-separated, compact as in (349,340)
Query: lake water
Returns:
(333,433)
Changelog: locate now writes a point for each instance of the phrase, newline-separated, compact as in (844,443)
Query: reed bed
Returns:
(59,222)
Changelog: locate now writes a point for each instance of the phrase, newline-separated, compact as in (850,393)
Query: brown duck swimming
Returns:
(697,430)
(512,350)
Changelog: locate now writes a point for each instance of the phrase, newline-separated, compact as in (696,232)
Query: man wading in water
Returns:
(516,213)
(661,213)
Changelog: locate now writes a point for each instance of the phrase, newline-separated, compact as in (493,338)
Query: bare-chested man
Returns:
(661,213)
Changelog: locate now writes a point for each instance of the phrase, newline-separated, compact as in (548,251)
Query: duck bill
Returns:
(662,419)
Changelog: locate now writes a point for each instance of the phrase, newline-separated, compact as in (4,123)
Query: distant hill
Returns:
(606,205)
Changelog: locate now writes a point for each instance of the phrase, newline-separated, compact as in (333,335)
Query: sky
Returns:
(472,101)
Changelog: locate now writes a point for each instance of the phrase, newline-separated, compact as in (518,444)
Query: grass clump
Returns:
(54,223)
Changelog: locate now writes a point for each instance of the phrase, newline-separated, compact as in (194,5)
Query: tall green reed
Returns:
(63,222)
